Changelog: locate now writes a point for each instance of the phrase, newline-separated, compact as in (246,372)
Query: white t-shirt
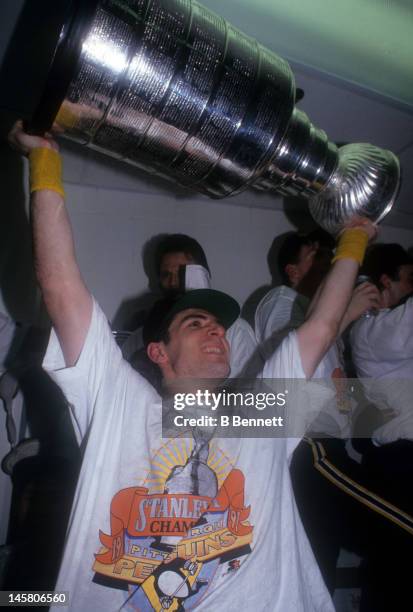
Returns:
(382,350)
(245,359)
(281,310)
(249,552)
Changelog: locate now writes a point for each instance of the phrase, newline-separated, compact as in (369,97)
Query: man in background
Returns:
(303,262)
(382,352)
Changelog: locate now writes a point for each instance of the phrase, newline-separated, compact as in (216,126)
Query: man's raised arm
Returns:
(66,296)
(327,310)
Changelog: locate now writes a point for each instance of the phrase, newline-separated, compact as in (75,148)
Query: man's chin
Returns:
(217,371)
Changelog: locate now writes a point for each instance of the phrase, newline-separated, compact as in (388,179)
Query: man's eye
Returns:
(195,323)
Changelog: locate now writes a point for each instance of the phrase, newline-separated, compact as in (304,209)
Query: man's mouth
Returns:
(213,350)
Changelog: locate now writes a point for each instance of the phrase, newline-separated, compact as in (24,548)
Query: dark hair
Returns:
(180,243)
(288,250)
(384,259)
(290,253)
(156,326)
(147,368)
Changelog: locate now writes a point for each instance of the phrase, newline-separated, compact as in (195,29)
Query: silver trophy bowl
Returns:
(174,89)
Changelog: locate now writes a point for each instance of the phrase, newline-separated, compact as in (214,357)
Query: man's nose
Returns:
(173,281)
(216,329)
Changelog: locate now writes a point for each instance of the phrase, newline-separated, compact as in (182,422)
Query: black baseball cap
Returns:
(217,303)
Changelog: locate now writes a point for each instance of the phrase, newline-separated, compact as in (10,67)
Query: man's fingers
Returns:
(15,138)
(366,287)
(24,143)
(365,224)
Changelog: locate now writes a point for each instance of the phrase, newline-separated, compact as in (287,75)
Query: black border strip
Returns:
(64,64)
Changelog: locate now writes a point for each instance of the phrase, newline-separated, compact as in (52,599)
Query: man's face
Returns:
(197,347)
(403,286)
(305,260)
(307,273)
(169,269)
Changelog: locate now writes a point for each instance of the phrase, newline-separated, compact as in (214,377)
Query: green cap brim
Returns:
(219,304)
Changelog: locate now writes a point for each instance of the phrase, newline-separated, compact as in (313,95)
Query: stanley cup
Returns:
(171,87)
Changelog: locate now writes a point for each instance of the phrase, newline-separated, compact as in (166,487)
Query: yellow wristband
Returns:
(45,170)
(66,118)
(352,245)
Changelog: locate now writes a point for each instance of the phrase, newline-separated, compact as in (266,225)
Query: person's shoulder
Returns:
(361,327)
(370,332)
(99,323)
(241,325)
(100,346)
(403,309)
(276,293)
(285,361)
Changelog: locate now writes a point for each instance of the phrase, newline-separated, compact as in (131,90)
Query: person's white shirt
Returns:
(280,310)
(382,351)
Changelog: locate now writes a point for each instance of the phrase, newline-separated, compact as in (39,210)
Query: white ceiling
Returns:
(365,42)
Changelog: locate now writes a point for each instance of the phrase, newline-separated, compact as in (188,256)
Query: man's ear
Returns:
(157,353)
(385,281)
(292,273)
